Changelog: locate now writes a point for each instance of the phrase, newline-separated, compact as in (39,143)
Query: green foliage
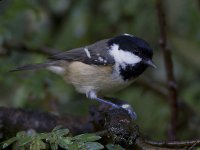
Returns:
(57,138)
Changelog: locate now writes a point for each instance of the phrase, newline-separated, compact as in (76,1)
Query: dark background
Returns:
(29,26)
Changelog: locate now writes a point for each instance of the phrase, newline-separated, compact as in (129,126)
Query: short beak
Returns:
(150,63)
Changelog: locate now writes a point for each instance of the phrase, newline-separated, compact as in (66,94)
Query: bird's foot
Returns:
(130,111)
(126,107)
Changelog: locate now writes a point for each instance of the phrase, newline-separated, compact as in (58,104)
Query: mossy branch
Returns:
(114,126)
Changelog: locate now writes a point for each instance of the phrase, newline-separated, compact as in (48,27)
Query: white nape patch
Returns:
(123,57)
(87,52)
(127,34)
(56,69)
(100,59)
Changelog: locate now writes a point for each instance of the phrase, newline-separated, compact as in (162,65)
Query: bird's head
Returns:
(132,55)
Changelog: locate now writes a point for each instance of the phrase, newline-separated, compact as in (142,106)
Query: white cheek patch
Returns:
(123,57)
(87,52)
(56,69)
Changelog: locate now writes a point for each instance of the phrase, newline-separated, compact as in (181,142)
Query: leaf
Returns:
(25,140)
(64,143)
(57,128)
(88,137)
(51,138)
(8,142)
(21,134)
(73,146)
(68,140)
(54,146)
(43,136)
(114,147)
(93,146)
(37,144)
(62,132)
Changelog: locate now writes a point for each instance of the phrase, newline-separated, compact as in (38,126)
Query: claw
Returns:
(130,111)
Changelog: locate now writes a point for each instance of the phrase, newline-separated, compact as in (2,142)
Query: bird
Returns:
(104,67)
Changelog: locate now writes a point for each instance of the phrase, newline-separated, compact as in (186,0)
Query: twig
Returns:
(172,87)
(10,46)
(198,2)
(153,86)
(162,92)
(174,144)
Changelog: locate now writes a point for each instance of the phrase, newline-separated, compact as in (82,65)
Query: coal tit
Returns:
(104,67)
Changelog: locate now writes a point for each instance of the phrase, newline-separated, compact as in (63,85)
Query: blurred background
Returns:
(32,29)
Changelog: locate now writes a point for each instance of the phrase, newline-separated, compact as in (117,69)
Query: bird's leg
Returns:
(93,95)
(127,107)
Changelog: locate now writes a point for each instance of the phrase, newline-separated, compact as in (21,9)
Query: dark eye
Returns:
(137,52)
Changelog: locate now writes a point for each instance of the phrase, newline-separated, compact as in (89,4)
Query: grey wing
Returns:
(96,54)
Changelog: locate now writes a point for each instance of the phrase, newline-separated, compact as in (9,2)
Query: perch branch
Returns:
(113,126)
(172,86)
(15,120)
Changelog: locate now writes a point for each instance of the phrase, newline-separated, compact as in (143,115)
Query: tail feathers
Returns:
(31,67)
